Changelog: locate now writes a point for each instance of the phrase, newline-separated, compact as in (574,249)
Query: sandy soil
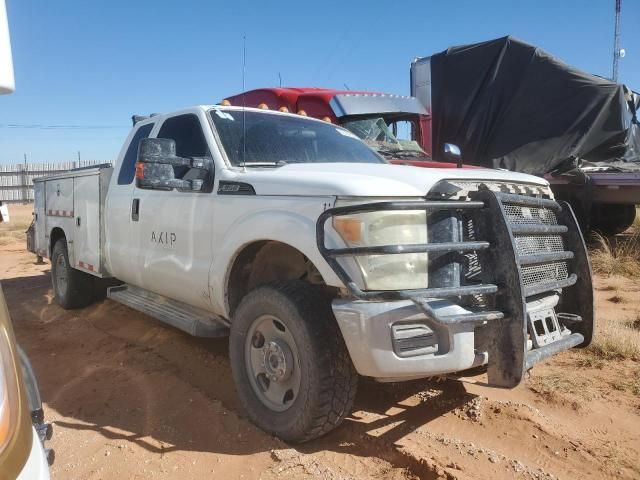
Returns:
(133,398)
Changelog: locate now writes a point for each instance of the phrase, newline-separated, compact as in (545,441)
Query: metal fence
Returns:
(16,181)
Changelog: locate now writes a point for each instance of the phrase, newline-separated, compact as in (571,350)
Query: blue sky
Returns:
(90,64)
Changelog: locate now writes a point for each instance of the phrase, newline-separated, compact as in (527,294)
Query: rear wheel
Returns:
(291,367)
(72,288)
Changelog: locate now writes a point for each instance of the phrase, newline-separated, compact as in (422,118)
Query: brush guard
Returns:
(505,282)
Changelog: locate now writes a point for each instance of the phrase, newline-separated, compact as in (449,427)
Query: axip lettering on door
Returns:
(163,238)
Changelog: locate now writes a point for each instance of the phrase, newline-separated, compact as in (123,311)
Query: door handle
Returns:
(135,209)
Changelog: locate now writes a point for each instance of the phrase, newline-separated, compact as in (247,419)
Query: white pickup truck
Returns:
(317,258)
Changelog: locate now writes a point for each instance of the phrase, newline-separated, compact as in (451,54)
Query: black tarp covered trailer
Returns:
(509,104)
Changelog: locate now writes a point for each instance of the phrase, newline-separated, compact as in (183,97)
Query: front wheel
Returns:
(291,367)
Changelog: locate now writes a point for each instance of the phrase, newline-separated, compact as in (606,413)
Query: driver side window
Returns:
(187,132)
(402,129)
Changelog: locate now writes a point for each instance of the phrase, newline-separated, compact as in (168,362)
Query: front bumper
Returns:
(536,300)
(371,331)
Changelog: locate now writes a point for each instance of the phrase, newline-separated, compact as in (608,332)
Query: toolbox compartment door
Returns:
(86,207)
(40,219)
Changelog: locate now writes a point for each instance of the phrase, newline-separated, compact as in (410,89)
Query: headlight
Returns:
(387,272)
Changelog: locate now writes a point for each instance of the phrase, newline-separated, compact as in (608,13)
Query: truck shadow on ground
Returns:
(130,378)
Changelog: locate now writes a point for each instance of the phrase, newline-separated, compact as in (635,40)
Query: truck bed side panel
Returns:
(86,207)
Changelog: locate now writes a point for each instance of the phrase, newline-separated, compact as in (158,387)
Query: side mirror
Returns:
(156,159)
(452,152)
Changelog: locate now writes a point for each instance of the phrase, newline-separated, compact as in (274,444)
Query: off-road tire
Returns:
(328,378)
(79,291)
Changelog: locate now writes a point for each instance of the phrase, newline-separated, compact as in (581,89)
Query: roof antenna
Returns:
(244,129)
(280,79)
(346,86)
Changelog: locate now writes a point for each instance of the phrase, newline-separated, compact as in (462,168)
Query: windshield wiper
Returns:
(279,163)
(408,153)
(400,153)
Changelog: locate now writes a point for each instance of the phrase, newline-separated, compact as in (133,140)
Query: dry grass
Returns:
(617,256)
(617,339)
(14,231)
(563,389)
(616,299)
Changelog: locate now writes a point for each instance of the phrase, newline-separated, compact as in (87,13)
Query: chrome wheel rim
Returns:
(272,362)
(61,276)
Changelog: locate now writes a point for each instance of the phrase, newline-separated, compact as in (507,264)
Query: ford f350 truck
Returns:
(319,259)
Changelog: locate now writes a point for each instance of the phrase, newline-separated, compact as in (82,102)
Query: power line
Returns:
(60,127)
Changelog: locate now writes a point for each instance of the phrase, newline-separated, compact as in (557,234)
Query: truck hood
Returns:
(363,179)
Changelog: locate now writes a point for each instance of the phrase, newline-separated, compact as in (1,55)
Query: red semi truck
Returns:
(398,127)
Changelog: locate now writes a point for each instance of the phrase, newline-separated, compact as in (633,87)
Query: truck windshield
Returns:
(376,133)
(268,139)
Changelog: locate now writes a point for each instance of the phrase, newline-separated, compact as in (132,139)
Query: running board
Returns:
(194,321)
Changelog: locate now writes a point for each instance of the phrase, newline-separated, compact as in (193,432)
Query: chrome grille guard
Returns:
(503,331)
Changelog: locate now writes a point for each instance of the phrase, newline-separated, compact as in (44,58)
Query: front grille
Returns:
(530,215)
(526,245)
(544,273)
(532,244)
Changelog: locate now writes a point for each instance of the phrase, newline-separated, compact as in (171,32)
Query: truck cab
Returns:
(318,259)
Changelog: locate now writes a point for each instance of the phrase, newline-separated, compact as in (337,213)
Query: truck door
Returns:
(119,246)
(174,228)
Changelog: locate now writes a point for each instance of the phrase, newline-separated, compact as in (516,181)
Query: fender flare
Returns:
(290,228)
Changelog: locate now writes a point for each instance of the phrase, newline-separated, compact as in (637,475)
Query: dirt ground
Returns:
(132,398)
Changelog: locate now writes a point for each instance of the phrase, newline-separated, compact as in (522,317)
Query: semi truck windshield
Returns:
(376,133)
(264,139)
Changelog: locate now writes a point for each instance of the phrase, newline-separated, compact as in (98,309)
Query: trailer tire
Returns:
(72,288)
(294,322)
(613,219)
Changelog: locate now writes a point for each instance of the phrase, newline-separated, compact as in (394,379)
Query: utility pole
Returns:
(617,52)
(79,163)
